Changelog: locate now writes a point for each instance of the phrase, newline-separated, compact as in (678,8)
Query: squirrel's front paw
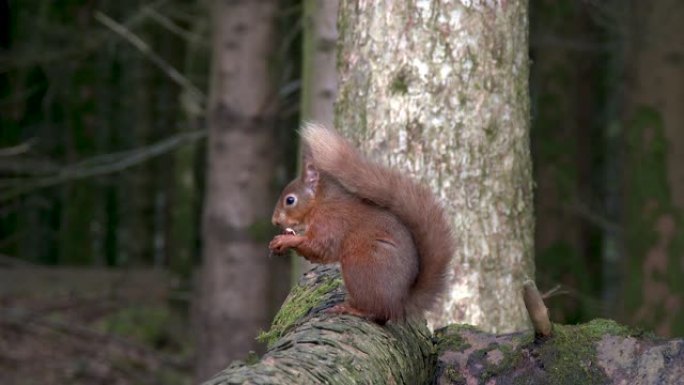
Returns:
(280,243)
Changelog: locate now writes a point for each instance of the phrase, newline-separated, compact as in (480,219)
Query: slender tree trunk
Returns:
(235,279)
(654,175)
(319,73)
(440,91)
(137,112)
(166,108)
(188,171)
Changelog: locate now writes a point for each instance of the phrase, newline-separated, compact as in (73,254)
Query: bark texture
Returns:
(599,352)
(440,90)
(235,278)
(319,74)
(310,347)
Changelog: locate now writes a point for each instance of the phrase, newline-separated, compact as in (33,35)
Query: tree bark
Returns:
(439,90)
(319,74)
(308,346)
(235,278)
(598,352)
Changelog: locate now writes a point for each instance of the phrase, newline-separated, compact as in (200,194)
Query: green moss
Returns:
(399,83)
(300,301)
(449,337)
(599,327)
(342,32)
(454,343)
(252,358)
(455,377)
(491,131)
(508,361)
(569,355)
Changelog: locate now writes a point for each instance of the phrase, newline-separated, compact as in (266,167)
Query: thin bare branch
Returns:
(97,166)
(174,28)
(554,291)
(20,59)
(18,149)
(146,50)
(593,216)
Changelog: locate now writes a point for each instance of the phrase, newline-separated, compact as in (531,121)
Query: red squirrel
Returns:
(389,233)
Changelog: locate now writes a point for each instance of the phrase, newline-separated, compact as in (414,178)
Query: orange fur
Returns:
(388,232)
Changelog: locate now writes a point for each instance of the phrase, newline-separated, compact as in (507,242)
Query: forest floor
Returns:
(92,326)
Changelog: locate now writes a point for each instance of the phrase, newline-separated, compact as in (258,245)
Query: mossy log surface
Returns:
(598,352)
(308,346)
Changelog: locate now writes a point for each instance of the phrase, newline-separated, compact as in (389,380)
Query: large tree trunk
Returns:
(439,90)
(235,279)
(308,346)
(654,191)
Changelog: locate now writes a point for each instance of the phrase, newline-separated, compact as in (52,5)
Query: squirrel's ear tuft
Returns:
(325,145)
(306,154)
(310,175)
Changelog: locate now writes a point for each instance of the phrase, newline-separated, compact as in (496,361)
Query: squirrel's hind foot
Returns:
(345,308)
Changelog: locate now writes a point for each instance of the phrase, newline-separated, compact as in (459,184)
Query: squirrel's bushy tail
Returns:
(414,204)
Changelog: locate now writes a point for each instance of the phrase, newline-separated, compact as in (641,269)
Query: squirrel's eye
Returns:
(290,200)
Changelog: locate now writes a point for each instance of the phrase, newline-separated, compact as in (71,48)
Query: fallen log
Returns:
(598,352)
(308,346)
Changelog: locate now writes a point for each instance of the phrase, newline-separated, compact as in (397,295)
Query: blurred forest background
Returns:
(103,161)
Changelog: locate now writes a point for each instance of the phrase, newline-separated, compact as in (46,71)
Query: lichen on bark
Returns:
(310,346)
(320,348)
(439,90)
(598,352)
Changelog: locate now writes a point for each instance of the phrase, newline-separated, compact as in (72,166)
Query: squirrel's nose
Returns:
(275,221)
